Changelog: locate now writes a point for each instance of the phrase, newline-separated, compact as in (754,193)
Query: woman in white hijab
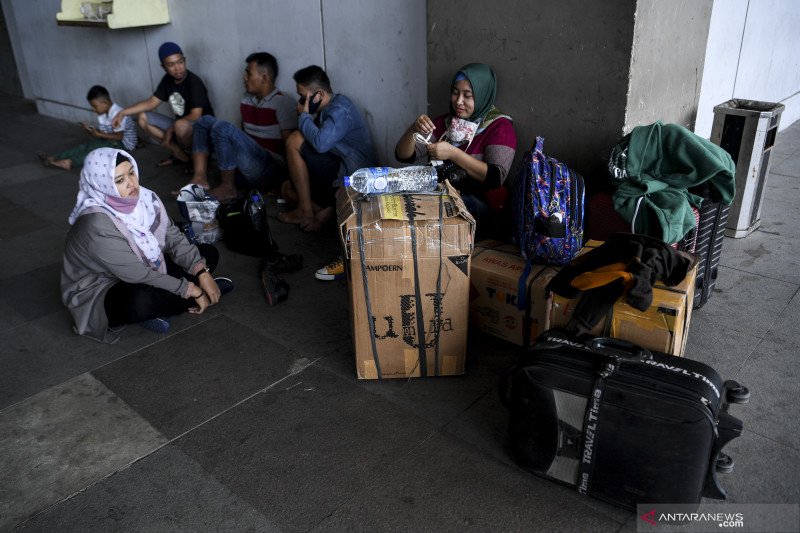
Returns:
(125,261)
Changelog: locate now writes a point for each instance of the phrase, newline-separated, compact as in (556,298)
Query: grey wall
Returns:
(9,81)
(373,52)
(667,65)
(562,67)
(58,64)
(376,51)
(752,54)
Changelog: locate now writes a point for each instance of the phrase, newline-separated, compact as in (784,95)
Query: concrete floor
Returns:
(250,417)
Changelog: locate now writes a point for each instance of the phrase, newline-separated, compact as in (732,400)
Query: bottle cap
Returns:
(346,181)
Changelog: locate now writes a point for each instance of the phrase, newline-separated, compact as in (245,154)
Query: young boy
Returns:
(105,136)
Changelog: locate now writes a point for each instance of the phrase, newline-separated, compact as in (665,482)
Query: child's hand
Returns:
(88,128)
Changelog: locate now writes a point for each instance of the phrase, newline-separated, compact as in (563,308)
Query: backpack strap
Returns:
(539,146)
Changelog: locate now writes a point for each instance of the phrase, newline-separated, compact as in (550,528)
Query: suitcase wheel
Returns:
(735,393)
(724,463)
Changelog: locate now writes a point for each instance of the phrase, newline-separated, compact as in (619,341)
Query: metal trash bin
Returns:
(746,129)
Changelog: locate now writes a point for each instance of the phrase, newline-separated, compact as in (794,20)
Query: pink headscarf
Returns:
(143,217)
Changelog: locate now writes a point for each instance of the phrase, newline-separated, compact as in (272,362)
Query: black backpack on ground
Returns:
(245,228)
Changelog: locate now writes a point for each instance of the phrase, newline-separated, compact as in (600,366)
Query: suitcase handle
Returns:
(620,348)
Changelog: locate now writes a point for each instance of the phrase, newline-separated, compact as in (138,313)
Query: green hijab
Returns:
(484,88)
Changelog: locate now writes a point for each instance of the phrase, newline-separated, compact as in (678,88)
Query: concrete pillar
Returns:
(669,49)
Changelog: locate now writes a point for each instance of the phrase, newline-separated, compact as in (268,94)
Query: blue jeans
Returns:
(237,150)
(323,169)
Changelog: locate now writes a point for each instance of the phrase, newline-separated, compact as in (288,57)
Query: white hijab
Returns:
(97,190)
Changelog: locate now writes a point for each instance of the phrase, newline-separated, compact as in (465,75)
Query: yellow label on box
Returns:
(393,206)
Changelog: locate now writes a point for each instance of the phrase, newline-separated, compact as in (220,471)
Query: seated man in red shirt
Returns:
(257,150)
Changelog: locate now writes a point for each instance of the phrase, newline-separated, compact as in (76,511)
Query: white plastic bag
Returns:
(201,211)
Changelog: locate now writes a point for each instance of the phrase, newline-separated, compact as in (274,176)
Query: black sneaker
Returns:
(156,325)
(225,285)
(275,289)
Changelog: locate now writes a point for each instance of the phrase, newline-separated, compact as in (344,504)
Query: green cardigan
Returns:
(663,161)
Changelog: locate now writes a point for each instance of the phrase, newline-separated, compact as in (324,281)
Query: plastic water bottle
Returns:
(379,180)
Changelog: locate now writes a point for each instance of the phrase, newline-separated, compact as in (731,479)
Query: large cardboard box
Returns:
(407,259)
(664,326)
(494,294)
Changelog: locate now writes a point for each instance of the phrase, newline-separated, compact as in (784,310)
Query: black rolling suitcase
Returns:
(620,423)
(708,247)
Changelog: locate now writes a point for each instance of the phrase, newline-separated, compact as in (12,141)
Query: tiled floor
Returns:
(250,418)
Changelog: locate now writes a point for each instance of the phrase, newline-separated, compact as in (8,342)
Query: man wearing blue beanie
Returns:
(187,96)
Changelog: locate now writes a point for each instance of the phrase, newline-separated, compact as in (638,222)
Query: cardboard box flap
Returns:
(393,239)
(504,247)
(386,219)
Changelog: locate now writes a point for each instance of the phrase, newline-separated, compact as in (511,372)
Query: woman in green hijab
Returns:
(475,141)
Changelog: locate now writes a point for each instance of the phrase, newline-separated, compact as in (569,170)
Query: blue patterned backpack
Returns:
(549,209)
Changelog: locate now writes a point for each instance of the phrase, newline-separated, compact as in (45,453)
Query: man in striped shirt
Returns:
(257,150)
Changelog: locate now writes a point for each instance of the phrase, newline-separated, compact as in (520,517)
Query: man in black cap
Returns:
(187,96)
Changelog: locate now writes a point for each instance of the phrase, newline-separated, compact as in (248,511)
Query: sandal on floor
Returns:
(170,161)
(281,263)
